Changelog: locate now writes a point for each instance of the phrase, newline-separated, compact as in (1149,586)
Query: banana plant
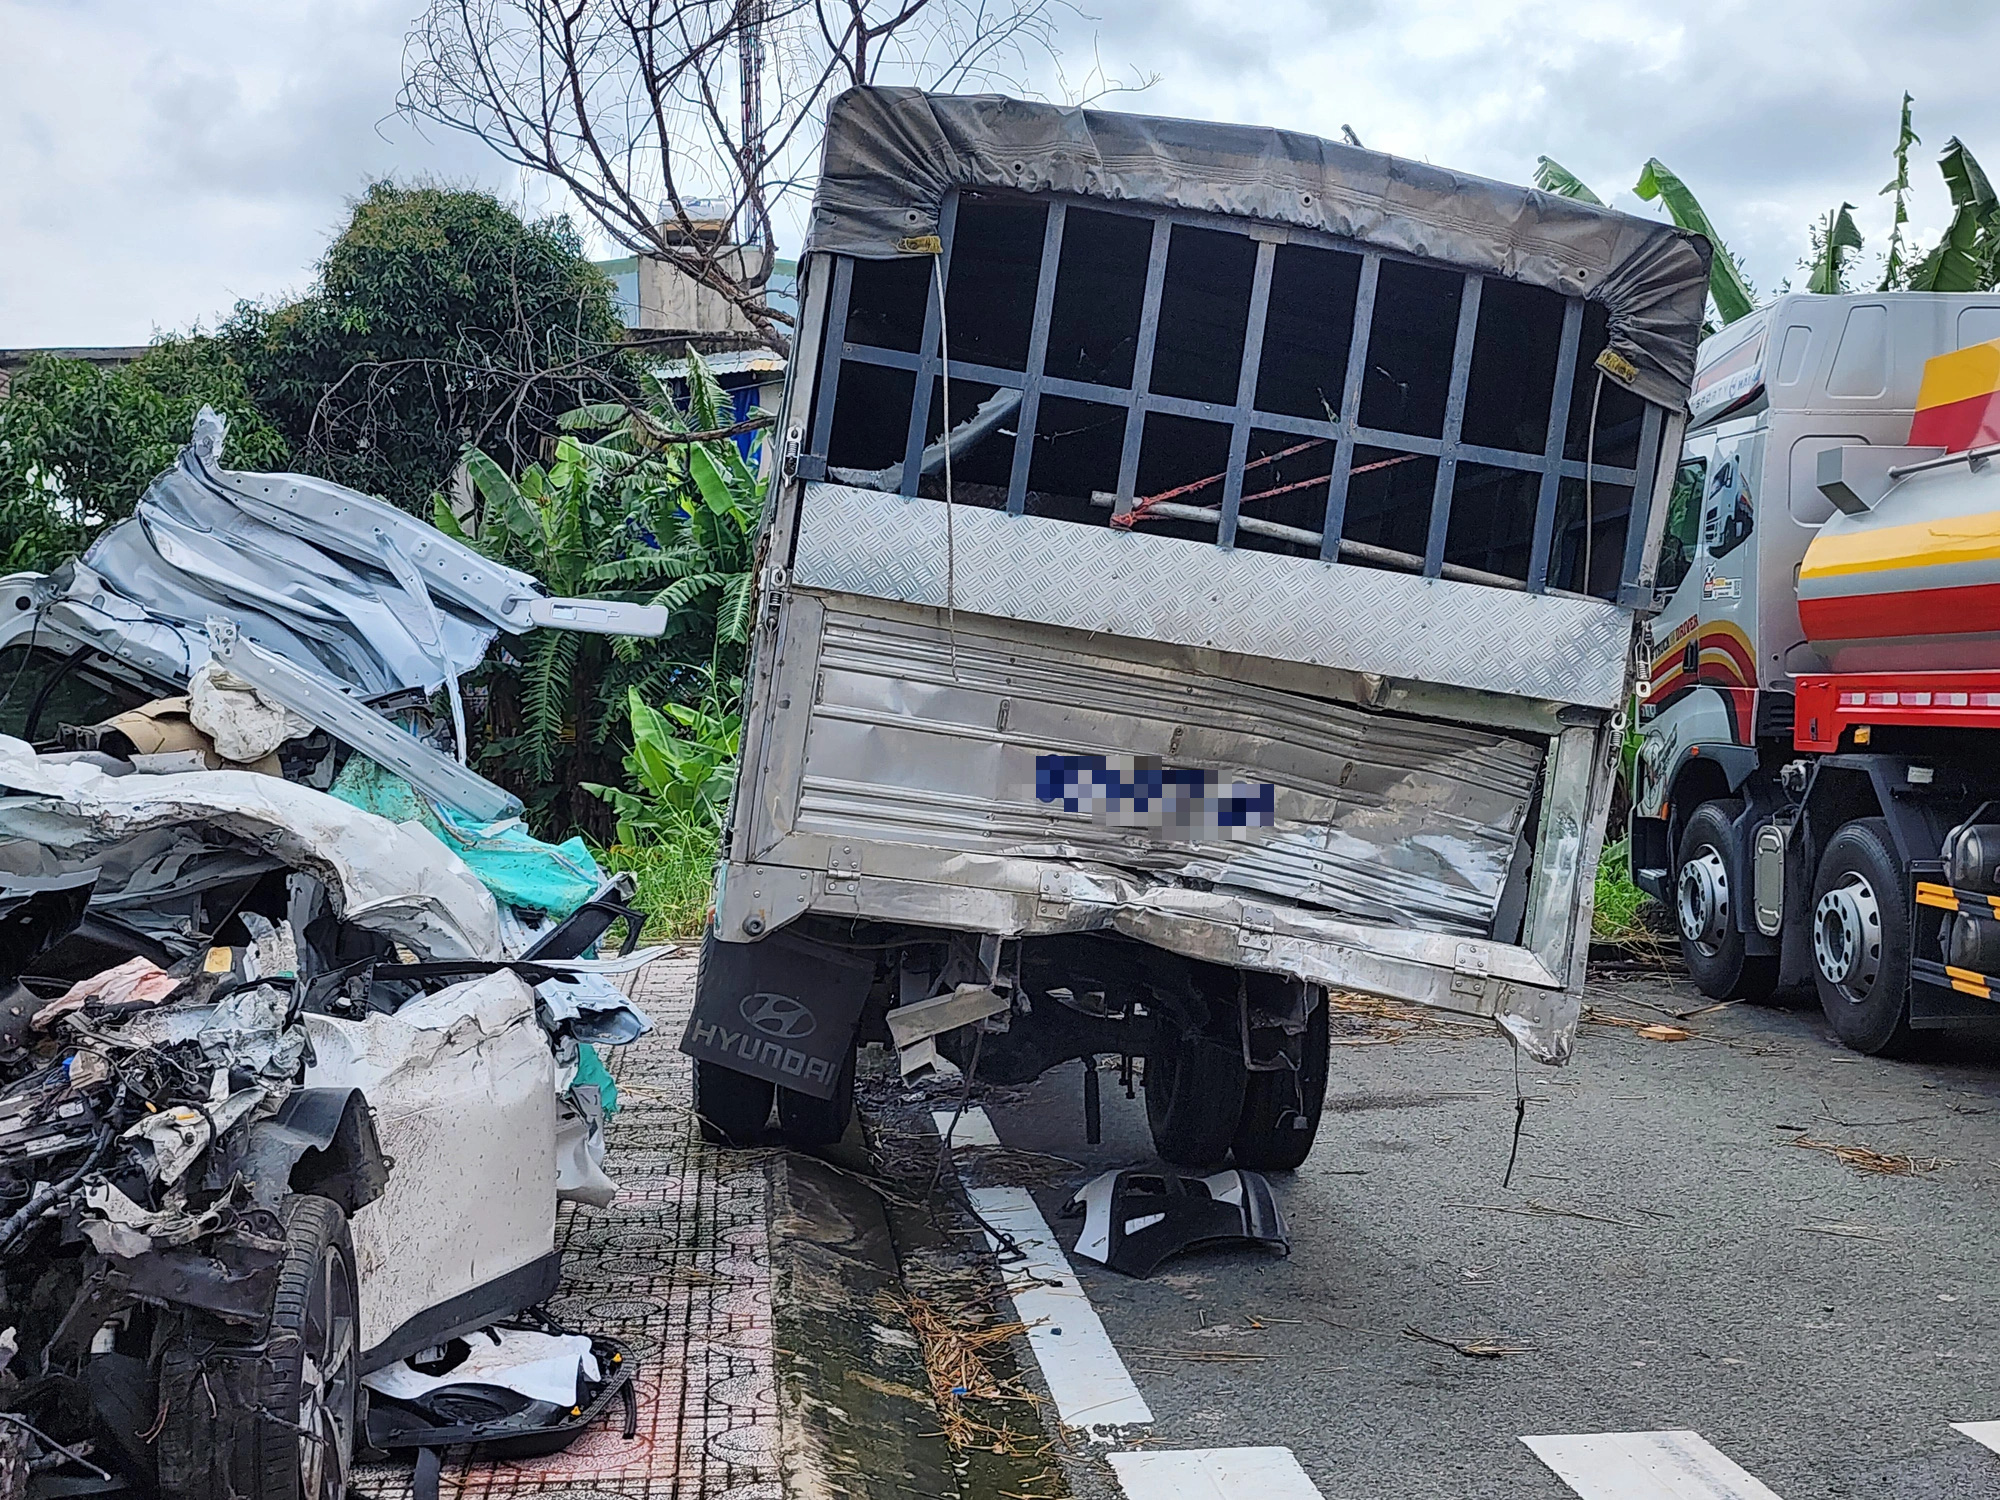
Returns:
(1551,176)
(1896,267)
(1966,259)
(1731,293)
(1831,239)
(626,509)
(1726,285)
(683,761)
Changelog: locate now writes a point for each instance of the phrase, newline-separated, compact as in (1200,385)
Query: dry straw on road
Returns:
(1865,1159)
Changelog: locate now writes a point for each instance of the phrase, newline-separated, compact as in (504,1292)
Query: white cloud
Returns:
(161,161)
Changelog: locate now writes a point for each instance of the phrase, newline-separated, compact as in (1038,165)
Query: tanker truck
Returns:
(1816,794)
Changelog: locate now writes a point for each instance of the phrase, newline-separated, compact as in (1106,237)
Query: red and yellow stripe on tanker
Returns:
(1958,405)
(1862,581)
(1724,660)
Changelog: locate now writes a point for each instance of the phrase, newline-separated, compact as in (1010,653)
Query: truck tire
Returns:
(809,1123)
(276,1420)
(1281,1110)
(1861,940)
(1195,1088)
(733,1108)
(1706,883)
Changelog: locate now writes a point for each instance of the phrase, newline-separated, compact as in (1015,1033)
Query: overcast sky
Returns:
(160,161)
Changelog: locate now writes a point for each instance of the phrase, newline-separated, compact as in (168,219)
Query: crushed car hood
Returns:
(397,879)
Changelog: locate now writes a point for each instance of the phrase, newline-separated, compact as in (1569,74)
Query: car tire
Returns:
(1281,1111)
(1706,884)
(1195,1088)
(250,1430)
(732,1108)
(810,1123)
(1861,940)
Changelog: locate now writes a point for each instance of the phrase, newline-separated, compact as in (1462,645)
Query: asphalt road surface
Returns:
(1670,1257)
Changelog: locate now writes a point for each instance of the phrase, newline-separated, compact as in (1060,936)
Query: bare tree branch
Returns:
(629,103)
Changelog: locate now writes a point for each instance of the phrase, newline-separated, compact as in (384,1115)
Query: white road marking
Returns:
(1213,1474)
(1646,1466)
(974,1128)
(1090,1384)
(1986,1434)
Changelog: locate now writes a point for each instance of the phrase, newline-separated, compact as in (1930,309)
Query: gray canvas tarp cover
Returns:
(893,154)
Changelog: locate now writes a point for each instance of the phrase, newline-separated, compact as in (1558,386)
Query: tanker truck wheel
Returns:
(1861,940)
(1706,881)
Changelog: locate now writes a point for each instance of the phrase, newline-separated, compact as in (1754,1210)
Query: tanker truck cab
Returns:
(1812,730)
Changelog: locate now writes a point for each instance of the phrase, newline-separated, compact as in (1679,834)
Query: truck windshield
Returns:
(1270,390)
(1683,526)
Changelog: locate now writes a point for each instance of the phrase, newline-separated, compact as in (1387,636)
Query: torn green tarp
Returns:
(518,868)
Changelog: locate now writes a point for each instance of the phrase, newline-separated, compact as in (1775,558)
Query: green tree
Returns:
(658,507)
(79,444)
(439,320)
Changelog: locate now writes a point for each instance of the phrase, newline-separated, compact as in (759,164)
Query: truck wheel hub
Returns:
(1703,899)
(1847,937)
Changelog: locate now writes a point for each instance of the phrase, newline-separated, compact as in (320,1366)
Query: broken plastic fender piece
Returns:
(1134,1219)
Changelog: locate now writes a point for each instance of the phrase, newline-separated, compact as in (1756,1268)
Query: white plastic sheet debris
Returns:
(540,1366)
(397,879)
(464,1091)
(244,723)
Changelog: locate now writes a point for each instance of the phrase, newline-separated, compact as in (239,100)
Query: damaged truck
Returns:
(1204,569)
(296,1019)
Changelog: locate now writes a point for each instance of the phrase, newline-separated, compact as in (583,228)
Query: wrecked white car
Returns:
(295,1019)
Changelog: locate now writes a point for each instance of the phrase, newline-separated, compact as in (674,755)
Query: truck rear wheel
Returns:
(808,1122)
(733,1108)
(1861,940)
(1281,1110)
(1195,1087)
(1706,883)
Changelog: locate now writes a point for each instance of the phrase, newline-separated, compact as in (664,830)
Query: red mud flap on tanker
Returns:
(784,1009)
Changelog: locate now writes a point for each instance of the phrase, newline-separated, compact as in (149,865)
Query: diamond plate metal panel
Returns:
(1155,588)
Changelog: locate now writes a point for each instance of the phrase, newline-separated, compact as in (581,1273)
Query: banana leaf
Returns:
(1725,283)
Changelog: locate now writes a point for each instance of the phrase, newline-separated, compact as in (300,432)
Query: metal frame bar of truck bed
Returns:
(1243,417)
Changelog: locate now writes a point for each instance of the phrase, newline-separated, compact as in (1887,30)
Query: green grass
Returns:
(1619,916)
(676,879)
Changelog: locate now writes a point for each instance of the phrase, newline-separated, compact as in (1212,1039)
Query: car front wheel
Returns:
(276,1418)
